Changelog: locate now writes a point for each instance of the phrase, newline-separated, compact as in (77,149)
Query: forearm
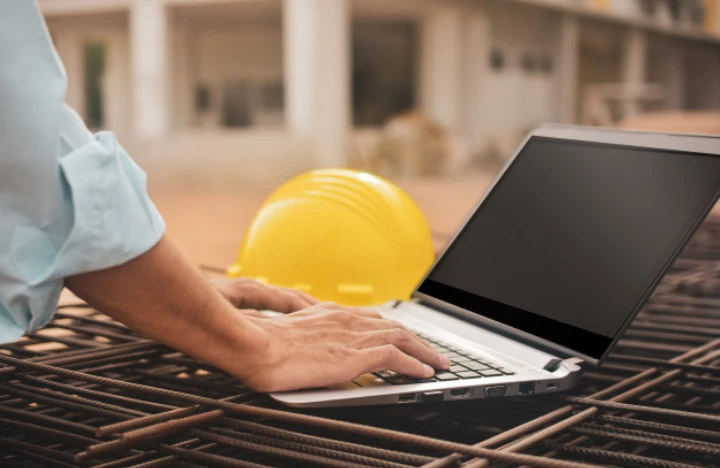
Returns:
(161,295)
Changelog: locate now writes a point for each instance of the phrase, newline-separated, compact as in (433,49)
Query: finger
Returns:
(406,342)
(297,300)
(311,301)
(271,298)
(253,313)
(338,312)
(388,357)
(367,313)
(384,324)
(362,312)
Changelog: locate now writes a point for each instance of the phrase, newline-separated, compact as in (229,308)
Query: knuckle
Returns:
(342,315)
(397,335)
(289,295)
(337,349)
(388,352)
(398,325)
(393,325)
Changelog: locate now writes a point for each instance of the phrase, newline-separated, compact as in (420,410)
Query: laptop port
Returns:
(407,398)
(460,392)
(495,391)
(433,396)
(552,385)
(526,388)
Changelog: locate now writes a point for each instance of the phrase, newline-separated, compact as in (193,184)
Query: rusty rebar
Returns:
(77,405)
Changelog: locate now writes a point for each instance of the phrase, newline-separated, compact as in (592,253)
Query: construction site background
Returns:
(222,100)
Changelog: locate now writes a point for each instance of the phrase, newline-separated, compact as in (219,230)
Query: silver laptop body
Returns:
(499,360)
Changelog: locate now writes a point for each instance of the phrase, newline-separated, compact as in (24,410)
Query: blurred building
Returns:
(264,89)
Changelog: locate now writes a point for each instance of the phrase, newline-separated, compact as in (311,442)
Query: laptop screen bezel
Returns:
(695,144)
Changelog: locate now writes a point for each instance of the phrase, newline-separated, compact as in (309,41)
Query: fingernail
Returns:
(429,371)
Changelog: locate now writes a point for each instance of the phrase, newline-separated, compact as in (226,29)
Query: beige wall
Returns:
(246,51)
(515,98)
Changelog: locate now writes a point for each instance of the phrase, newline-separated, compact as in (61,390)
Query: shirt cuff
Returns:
(114,218)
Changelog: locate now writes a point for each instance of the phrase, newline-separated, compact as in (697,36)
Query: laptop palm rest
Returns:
(468,335)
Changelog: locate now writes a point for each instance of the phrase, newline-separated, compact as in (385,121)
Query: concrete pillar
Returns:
(149,65)
(441,74)
(633,72)
(567,69)
(478,39)
(69,46)
(183,65)
(317,75)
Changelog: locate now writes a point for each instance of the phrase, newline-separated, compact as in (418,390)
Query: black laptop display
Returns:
(565,246)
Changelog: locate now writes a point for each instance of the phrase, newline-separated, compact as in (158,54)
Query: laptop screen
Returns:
(572,237)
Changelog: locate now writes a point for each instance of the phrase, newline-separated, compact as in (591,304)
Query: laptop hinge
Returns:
(553,364)
(507,332)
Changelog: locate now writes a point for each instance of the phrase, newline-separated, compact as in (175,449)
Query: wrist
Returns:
(246,347)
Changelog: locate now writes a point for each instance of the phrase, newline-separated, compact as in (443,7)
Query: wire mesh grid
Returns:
(86,391)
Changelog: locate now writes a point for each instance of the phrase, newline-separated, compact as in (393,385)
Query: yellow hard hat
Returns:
(340,235)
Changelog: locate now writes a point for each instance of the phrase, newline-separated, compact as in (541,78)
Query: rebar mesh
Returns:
(86,391)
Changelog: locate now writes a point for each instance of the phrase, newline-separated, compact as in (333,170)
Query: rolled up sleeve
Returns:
(70,201)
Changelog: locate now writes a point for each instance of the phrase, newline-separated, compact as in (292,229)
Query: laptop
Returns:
(550,267)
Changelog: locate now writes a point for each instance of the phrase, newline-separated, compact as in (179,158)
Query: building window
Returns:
(236,106)
(248,103)
(383,70)
(273,97)
(95,59)
(527,62)
(238,71)
(546,64)
(203,101)
(497,60)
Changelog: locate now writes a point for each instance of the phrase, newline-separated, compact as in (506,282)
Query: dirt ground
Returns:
(208,224)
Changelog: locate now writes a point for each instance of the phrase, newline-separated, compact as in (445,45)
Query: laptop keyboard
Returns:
(465,366)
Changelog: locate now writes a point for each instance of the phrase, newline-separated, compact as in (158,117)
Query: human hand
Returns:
(251,296)
(328,344)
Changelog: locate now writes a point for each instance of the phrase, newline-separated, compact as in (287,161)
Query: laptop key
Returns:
(462,360)
(468,375)
(506,371)
(457,368)
(446,376)
(476,366)
(491,373)
(426,380)
(452,356)
(386,374)
(399,380)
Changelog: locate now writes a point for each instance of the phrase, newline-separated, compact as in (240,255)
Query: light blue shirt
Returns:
(70,201)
